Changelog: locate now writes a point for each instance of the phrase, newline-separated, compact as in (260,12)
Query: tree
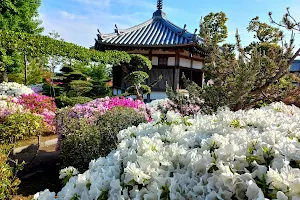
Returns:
(215,27)
(289,23)
(54,61)
(264,32)
(136,76)
(44,46)
(19,16)
(258,73)
(35,72)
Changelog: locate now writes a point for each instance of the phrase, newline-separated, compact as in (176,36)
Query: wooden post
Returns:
(177,71)
(202,83)
(148,72)
(25,65)
(192,67)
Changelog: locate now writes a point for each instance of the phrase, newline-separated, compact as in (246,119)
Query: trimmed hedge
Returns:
(63,101)
(83,141)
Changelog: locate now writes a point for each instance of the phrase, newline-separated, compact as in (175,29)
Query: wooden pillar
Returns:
(202,82)
(148,80)
(176,71)
(192,69)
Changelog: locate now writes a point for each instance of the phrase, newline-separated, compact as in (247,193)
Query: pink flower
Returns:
(93,109)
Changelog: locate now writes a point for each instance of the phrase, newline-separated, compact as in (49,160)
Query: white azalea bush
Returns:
(251,154)
(13,89)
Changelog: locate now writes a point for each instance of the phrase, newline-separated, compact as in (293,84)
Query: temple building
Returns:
(172,50)
(295,69)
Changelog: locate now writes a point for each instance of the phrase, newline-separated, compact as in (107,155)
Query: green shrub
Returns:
(79,88)
(76,75)
(63,101)
(20,126)
(100,90)
(54,90)
(8,181)
(83,141)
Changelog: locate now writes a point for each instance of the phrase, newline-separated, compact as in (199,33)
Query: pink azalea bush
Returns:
(92,110)
(7,108)
(100,106)
(41,105)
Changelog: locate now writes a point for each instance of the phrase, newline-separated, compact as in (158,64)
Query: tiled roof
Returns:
(157,31)
(295,66)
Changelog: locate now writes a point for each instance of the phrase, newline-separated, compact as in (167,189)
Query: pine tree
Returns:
(256,74)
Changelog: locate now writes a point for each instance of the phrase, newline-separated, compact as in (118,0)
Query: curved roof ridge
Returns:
(156,31)
(178,29)
(124,31)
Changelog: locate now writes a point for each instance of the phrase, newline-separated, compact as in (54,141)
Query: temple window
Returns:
(163,61)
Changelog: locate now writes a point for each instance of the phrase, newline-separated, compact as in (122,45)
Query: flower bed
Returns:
(90,130)
(40,104)
(92,110)
(7,107)
(251,154)
(25,115)
(100,106)
(14,89)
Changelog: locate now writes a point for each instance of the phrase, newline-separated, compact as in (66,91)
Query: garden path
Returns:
(43,172)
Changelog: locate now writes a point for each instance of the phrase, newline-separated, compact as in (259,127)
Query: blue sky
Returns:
(77,20)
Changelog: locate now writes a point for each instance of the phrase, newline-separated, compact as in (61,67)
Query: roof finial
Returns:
(117,29)
(159,4)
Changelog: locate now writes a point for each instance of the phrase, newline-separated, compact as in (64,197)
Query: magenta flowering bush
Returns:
(93,110)
(41,105)
(99,106)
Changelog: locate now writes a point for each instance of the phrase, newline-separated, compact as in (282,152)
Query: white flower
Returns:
(134,173)
(67,171)
(45,195)
(206,160)
(281,196)
(253,191)
(14,89)
(156,116)
(172,116)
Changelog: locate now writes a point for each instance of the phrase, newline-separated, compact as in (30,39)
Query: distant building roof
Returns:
(295,66)
(158,31)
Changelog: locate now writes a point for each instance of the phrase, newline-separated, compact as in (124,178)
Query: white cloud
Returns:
(71,16)
(81,27)
(82,30)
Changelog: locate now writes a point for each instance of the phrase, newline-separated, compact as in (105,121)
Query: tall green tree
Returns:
(264,32)
(256,74)
(19,16)
(214,26)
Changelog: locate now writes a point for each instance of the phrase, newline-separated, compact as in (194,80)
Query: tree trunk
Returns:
(139,96)
(25,70)
(3,76)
